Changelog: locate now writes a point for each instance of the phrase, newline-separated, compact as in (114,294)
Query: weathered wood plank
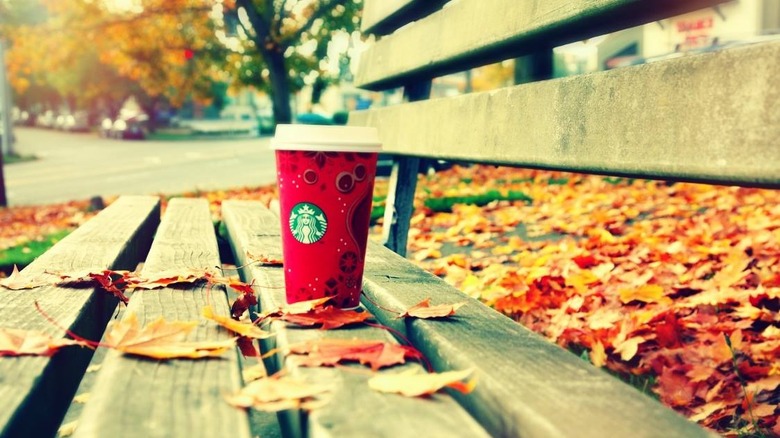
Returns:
(527,386)
(354,410)
(471,33)
(176,398)
(384,16)
(35,391)
(712,118)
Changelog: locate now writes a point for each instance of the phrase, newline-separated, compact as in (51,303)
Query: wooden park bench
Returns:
(722,128)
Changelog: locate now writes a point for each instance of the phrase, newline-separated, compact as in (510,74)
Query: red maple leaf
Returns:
(242,304)
(329,317)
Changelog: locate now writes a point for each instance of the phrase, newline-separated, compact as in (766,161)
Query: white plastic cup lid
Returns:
(326,138)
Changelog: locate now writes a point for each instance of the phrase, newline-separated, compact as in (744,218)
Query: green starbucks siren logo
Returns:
(307,223)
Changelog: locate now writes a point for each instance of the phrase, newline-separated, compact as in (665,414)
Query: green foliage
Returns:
(446,203)
(23,255)
(16,158)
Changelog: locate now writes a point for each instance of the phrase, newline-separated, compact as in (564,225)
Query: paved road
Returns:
(78,166)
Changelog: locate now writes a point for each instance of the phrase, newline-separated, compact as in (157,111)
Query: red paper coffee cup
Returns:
(326,182)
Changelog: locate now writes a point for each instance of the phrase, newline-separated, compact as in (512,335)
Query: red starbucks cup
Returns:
(325,176)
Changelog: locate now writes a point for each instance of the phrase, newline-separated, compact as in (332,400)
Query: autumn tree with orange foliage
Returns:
(90,53)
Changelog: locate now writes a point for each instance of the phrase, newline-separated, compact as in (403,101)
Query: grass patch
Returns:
(23,255)
(642,382)
(16,158)
(445,204)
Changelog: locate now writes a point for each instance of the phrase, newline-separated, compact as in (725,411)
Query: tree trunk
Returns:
(280,86)
(319,84)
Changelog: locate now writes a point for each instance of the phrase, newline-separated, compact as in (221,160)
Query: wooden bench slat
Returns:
(176,398)
(384,16)
(711,118)
(527,386)
(471,33)
(354,410)
(35,391)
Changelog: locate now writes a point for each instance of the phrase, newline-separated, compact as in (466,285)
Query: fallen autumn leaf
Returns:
(424,310)
(246,329)
(273,394)
(414,383)
(15,342)
(329,352)
(162,339)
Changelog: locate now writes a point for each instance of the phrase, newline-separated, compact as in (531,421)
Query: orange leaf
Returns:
(165,279)
(424,310)
(415,384)
(272,394)
(162,339)
(15,282)
(246,329)
(14,342)
(329,317)
(329,352)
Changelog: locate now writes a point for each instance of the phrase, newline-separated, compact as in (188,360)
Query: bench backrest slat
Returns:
(36,391)
(382,17)
(471,33)
(189,392)
(711,118)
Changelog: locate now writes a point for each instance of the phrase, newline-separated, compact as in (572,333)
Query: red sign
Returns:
(698,24)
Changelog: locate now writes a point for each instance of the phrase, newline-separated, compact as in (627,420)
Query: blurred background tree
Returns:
(94,54)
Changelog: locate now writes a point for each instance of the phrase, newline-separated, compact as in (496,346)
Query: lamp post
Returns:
(5,119)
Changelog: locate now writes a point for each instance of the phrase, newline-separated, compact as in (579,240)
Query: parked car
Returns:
(125,127)
(45,119)
(76,122)
(22,117)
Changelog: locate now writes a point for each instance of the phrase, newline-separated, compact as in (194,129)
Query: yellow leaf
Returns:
(67,429)
(597,355)
(649,293)
(162,339)
(581,280)
(82,398)
(414,384)
(628,348)
(246,329)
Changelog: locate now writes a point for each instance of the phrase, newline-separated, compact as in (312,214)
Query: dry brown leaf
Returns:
(273,394)
(329,352)
(246,329)
(15,342)
(265,259)
(16,282)
(414,383)
(162,339)
(423,309)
